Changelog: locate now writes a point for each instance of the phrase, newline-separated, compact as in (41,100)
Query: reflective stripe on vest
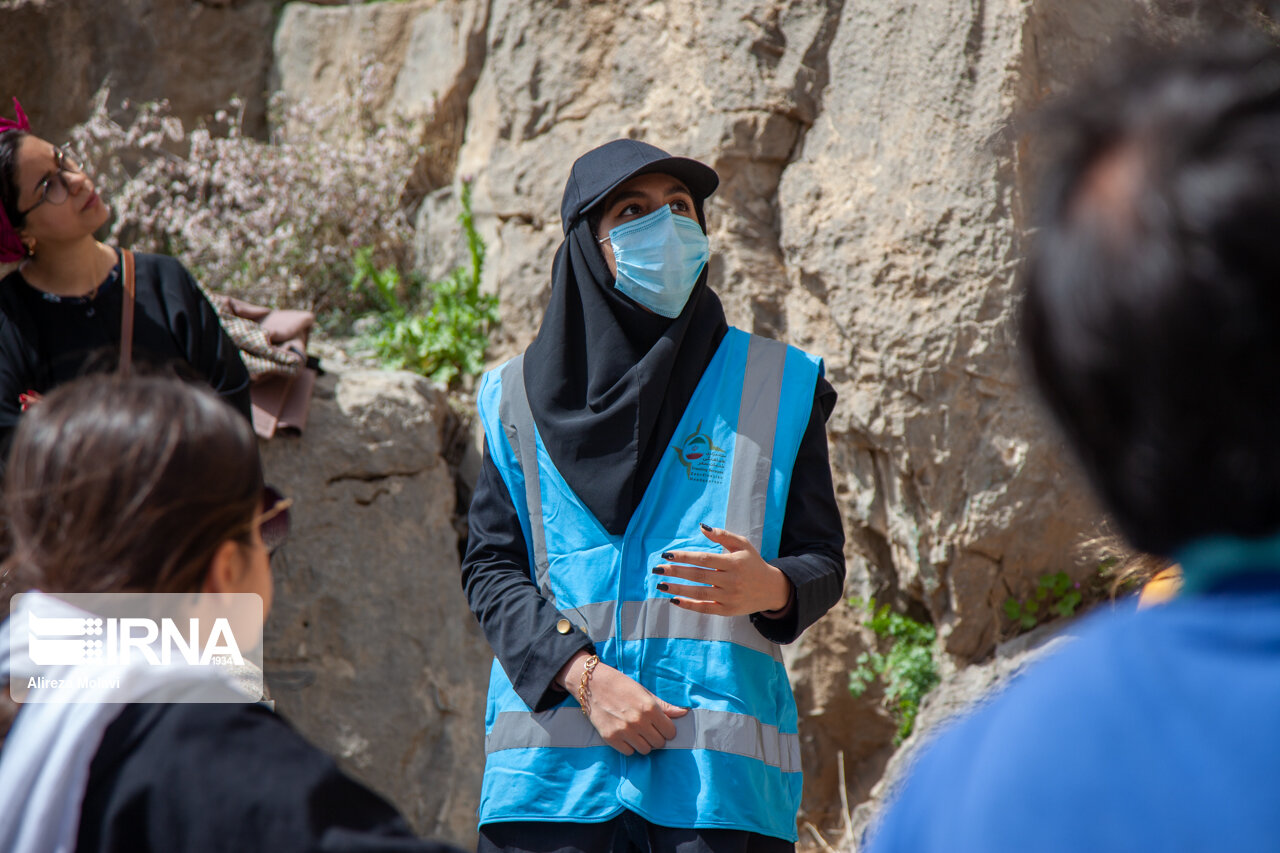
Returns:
(701,728)
(517,422)
(757,422)
(655,617)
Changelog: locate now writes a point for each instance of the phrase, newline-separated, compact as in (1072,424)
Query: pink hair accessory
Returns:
(11,248)
(21,124)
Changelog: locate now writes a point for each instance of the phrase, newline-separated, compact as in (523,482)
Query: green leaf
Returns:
(908,670)
(440,329)
(1067,606)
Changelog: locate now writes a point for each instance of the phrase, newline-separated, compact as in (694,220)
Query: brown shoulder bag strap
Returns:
(126,312)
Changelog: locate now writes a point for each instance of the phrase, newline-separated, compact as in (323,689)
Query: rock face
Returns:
(370,649)
(422,57)
(872,210)
(868,211)
(195,53)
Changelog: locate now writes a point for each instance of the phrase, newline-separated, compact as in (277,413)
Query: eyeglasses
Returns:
(55,189)
(273,518)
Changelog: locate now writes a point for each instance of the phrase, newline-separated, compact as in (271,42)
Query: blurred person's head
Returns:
(147,484)
(1152,307)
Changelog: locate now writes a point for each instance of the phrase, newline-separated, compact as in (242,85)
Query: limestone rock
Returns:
(322,52)
(370,648)
(956,489)
(875,183)
(420,59)
(197,55)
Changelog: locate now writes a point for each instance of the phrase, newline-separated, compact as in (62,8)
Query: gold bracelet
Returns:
(583,684)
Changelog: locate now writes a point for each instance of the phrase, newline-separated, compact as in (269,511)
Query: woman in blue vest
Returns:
(655,514)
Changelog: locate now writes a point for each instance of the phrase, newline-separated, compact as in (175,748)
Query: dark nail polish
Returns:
(706,527)
(666,555)
(662,587)
(658,570)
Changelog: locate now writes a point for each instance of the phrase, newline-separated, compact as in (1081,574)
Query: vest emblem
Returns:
(703,462)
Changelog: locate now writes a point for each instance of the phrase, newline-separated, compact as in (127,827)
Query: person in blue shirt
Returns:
(1151,318)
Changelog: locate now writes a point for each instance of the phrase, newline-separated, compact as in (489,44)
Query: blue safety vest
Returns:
(735,760)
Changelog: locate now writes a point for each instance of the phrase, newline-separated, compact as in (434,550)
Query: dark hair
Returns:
(124,484)
(595,213)
(127,484)
(1152,307)
(10,141)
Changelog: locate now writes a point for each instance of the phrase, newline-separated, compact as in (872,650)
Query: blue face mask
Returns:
(659,256)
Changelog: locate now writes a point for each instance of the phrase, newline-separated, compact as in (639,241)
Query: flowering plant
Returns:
(276,221)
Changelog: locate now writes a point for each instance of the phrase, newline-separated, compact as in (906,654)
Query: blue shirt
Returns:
(1153,730)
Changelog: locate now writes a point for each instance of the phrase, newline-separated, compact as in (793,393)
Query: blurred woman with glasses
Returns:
(61,309)
(150,484)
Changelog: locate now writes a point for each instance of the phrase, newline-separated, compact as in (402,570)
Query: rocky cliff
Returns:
(870,211)
(370,649)
(874,181)
(197,54)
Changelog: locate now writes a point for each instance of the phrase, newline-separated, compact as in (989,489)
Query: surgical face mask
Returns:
(659,257)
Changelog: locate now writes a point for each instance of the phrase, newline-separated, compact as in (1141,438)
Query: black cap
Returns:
(598,172)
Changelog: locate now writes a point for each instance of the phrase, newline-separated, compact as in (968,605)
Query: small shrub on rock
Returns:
(276,222)
(907,670)
(439,329)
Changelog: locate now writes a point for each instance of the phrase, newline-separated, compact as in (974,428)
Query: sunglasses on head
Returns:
(273,518)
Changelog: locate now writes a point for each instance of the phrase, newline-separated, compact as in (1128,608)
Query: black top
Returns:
(233,778)
(46,341)
(521,625)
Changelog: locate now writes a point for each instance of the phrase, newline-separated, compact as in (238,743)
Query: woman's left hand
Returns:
(738,581)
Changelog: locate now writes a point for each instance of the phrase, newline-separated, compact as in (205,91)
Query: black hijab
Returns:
(607,380)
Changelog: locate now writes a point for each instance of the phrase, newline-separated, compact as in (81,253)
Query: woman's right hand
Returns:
(627,716)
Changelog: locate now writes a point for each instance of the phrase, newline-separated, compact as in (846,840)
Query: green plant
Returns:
(439,329)
(1054,595)
(908,670)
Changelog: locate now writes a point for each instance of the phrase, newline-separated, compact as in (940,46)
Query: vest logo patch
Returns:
(703,462)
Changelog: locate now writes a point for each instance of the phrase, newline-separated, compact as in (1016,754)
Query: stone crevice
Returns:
(443,137)
(371,476)
(973,42)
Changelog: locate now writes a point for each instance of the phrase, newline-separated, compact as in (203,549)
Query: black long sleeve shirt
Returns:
(46,341)
(229,778)
(521,625)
